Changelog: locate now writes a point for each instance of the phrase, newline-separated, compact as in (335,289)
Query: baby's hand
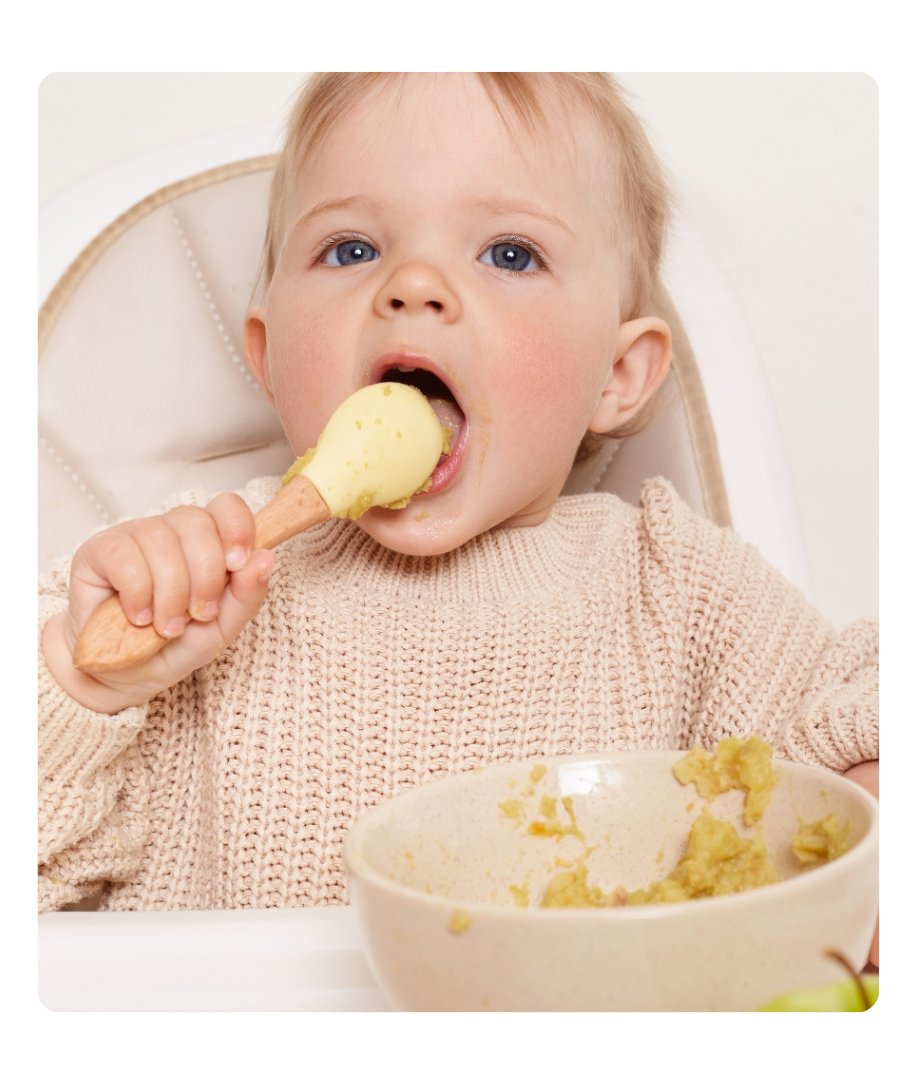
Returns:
(187,563)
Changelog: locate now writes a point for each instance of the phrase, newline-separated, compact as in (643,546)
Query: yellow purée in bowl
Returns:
(718,860)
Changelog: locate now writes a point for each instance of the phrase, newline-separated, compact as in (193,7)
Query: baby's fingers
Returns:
(205,562)
(236,527)
(201,642)
(244,595)
(164,550)
(112,562)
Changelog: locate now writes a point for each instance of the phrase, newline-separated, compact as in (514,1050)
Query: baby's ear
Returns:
(642,358)
(255,345)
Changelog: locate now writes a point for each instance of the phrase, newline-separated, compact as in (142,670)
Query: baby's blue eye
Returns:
(509,257)
(349,253)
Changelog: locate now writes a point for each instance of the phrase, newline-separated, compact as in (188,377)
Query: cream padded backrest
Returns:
(144,391)
(143,387)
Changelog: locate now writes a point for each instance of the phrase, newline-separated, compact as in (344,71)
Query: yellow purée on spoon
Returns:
(379,448)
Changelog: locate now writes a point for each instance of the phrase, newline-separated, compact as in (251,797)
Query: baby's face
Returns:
(423,236)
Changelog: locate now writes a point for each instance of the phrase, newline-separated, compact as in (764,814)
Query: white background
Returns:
(780,171)
(792,35)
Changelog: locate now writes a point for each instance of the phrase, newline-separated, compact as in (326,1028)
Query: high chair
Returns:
(146,271)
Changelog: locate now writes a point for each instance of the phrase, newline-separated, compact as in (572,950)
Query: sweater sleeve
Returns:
(93,795)
(90,781)
(758,659)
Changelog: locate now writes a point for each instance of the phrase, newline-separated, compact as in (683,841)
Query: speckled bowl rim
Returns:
(359,868)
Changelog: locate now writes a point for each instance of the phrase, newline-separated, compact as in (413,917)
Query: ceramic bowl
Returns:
(430,874)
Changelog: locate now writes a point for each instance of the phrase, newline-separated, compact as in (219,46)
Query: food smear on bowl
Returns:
(550,825)
(820,841)
(718,860)
(521,894)
(460,921)
(570,888)
(537,773)
(515,808)
(745,766)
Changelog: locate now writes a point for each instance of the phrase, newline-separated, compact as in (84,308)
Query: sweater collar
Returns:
(501,563)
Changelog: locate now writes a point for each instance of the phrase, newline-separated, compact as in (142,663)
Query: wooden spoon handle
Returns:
(110,642)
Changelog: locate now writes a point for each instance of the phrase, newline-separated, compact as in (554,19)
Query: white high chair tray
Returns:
(274,960)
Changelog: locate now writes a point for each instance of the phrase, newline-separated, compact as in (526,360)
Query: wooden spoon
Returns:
(378,449)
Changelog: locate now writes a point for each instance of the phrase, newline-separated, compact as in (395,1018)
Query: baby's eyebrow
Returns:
(506,206)
(326,205)
(490,206)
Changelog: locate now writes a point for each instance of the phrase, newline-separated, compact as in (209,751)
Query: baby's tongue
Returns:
(451,419)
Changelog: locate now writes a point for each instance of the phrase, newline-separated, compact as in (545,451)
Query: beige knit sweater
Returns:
(367,671)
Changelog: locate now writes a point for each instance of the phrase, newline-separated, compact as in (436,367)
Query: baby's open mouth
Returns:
(448,411)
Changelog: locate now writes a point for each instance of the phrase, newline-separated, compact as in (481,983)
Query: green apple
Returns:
(839,997)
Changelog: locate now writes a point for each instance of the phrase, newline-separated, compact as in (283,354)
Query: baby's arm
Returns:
(92,812)
(760,659)
(188,562)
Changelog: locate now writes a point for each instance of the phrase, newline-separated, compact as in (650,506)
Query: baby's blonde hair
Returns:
(638,183)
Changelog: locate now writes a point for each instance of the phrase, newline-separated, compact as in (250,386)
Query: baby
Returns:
(494,240)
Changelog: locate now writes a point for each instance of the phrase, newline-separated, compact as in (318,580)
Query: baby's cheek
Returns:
(556,375)
(299,401)
(305,374)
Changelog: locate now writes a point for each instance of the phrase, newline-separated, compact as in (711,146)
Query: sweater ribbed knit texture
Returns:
(367,672)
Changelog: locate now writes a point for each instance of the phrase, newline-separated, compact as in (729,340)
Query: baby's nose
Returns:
(417,287)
